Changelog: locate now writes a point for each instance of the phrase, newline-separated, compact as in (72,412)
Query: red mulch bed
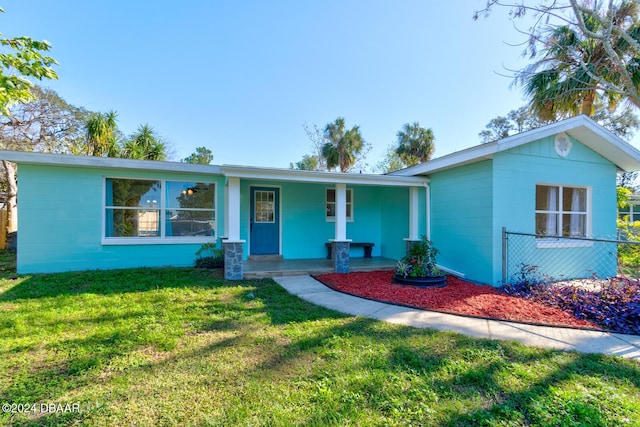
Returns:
(458,297)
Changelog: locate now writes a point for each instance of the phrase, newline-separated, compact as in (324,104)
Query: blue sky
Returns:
(243,77)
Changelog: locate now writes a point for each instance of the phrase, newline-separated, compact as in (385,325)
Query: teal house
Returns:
(558,181)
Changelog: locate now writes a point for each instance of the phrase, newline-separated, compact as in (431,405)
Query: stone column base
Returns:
(233,265)
(340,253)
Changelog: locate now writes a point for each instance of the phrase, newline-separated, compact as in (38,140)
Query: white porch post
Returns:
(414,218)
(428,207)
(340,245)
(226,211)
(233,210)
(414,214)
(341,212)
(233,252)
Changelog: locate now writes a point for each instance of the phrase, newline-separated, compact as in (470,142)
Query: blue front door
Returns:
(265,221)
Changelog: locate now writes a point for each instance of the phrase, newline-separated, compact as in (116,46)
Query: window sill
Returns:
(187,240)
(562,243)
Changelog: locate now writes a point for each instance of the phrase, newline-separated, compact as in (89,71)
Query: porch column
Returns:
(414,214)
(341,212)
(428,210)
(340,245)
(233,267)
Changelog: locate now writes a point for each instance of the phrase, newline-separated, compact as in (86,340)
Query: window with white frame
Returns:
(145,209)
(331,204)
(561,211)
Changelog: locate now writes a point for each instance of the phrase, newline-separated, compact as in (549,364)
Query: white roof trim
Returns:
(274,174)
(248,172)
(611,147)
(66,160)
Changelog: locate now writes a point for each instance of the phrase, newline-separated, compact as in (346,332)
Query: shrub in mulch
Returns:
(209,262)
(458,297)
(614,305)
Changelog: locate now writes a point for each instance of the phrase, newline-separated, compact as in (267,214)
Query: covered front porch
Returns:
(258,269)
(287,218)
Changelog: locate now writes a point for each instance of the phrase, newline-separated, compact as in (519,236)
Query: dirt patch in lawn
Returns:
(458,297)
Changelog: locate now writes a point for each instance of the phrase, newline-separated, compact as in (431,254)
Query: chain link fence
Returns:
(555,259)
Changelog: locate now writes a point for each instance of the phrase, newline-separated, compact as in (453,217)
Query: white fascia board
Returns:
(543,132)
(274,174)
(582,128)
(470,155)
(619,152)
(67,160)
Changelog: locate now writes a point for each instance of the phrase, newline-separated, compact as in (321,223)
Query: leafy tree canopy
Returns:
(48,123)
(621,121)
(144,144)
(415,144)
(21,58)
(202,156)
(308,163)
(585,50)
(343,145)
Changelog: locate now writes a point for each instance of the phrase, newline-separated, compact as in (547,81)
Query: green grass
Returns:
(177,346)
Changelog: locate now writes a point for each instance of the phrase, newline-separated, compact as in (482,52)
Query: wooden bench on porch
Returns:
(366,245)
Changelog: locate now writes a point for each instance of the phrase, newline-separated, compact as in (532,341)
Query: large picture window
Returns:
(152,209)
(561,211)
(331,204)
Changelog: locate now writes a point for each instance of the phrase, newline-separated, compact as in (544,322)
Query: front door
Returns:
(265,221)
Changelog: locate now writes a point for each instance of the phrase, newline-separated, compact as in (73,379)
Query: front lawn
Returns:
(177,346)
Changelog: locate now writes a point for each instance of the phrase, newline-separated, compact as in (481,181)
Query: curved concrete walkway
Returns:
(315,292)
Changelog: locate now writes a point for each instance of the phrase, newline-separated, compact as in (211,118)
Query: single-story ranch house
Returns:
(79,213)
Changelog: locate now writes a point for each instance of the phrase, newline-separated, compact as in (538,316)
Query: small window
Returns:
(331,204)
(264,206)
(139,209)
(561,211)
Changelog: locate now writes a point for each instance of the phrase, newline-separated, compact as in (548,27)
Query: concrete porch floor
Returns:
(296,267)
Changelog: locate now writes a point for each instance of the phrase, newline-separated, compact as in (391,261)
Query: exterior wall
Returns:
(462,219)
(395,226)
(380,215)
(516,173)
(60,218)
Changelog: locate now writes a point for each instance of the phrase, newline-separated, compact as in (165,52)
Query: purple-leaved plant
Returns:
(615,305)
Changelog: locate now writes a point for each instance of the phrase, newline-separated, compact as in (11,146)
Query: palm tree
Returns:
(574,70)
(415,144)
(342,145)
(144,145)
(101,134)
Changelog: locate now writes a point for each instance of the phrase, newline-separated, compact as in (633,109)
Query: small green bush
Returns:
(209,256)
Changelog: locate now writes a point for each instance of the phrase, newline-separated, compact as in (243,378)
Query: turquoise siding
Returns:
(462,219)
(515,210)
(471,203)
(60,217)
(380,215)
(395,224)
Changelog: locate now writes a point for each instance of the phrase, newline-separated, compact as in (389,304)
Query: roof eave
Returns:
(582,128)
(66,160)
(294,175)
